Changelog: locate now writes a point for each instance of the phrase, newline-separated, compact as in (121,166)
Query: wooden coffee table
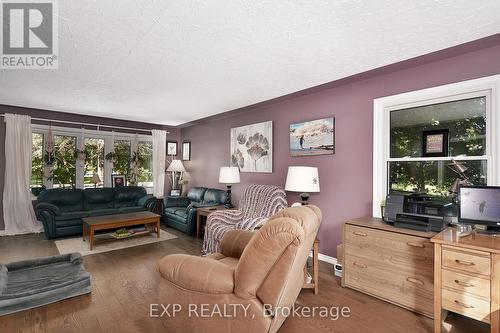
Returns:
(94,223)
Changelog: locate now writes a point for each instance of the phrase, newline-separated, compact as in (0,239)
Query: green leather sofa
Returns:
(61,210)
(180,212)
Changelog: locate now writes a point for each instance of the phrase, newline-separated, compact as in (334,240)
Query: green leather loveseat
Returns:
(180,212)
(61,210)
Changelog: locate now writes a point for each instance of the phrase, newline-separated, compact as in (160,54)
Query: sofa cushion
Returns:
(67,200)
(215,196)
(68,223)
(128,196)
(101,212)
(71,215)
(179,211)
(98,198)
(196,193)
(172,210)
(131,209)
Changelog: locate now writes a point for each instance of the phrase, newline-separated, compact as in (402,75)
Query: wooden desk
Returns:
(393,264)
(467,277)
(204,211)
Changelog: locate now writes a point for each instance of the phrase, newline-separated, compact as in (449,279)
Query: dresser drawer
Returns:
(413,291)
(466,305)
(396,252)
(466,283)
(471,262)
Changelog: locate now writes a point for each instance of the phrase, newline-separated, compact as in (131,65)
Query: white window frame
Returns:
(486,86)
(80,135)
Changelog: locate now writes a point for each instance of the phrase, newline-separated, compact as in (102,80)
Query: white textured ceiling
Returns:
(171,62)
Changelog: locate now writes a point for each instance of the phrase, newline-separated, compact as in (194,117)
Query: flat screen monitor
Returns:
(480,205)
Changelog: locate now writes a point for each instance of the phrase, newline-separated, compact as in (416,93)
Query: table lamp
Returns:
(302,179)
(229,176)
(176,168)
(96,179)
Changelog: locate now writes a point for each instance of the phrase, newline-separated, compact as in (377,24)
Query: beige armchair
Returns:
(255,274)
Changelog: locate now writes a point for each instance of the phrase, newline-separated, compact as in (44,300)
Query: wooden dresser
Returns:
(393,264)
(467,277)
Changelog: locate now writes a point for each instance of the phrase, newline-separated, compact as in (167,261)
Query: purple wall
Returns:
(346,177)
(54,116)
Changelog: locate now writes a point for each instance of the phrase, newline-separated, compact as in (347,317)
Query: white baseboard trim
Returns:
(325,258)
(328,259)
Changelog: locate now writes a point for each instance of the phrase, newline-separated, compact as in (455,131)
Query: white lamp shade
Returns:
(302,179)
(96,178)
(176,166)
(229,175)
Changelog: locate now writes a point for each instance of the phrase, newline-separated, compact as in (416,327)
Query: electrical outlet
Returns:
(338,270)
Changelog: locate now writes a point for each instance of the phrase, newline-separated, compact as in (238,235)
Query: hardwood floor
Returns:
(126,282)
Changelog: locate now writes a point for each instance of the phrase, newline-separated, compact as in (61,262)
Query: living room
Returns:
(250,166)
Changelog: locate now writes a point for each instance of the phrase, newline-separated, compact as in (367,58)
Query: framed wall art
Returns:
(186,150)
(435,143)
(252,147)
(171,148)
(314,137)
(118,180)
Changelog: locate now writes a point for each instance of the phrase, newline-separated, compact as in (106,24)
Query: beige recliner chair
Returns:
(244,288)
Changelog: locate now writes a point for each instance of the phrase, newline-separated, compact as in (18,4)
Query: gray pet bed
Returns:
(31,283)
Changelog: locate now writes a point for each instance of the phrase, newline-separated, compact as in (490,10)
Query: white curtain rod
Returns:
(89,124)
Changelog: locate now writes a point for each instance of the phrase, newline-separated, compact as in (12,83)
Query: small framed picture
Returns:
(172,148)
(186,151)
(175,193)
(435,143)
(118,180)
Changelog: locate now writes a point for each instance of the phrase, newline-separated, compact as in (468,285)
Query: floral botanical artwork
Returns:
(252,147)
(315,137)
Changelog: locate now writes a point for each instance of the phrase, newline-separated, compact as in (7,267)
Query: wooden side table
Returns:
(160,206)
(204,211)
(315,272)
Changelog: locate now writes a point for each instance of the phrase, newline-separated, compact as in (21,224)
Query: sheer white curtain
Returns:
(159,153)
(18,214)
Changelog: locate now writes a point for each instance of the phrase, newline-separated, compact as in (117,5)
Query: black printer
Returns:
(418,211)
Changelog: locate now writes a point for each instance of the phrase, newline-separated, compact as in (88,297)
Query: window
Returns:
(81,155)
(145,163)
(464,113)
(465,124)
(64,173)
(37,161)
(94,163)
(121,160)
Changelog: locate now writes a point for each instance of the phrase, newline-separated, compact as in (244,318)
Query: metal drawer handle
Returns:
(466,263)
(464,284)
(415,281)
(420,245)
(359,265)
(359,233)
(467,306)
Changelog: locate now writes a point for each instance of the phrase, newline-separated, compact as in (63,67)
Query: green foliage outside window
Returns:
(121,158)
(37,160)
(145,163)
(466,122)
(64,174)
(94,160)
